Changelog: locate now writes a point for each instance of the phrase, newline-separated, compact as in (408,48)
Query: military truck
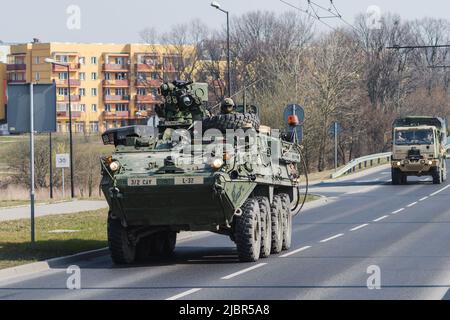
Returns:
(181,177)
(419,149)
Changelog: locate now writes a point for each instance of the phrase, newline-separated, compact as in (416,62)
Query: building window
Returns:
(38,76)
(59,129)
(82,107)
(67,127)
(141,92)
(94,60)
(94,76)
(121,107)
(82,92)
(62,76)
(82,76)
(94,92)
(94,108)
(107,107)
(37,60)
(107,92)
(82,60)
(107,76)
(94,126)
(79,127)
(142,107)
(62,59)
(155,75)
(121,76)
(120,92)
(63,91)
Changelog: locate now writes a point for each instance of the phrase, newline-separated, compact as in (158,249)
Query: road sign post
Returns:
(63,161)
(32,191)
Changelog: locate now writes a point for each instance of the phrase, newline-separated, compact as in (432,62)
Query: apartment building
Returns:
(4,52)
(109,85)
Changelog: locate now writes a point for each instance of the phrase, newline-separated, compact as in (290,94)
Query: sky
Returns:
(120,21)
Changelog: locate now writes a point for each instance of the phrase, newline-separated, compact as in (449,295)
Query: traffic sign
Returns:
(63,160)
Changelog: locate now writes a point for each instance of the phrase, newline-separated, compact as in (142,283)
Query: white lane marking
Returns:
(332,238)
(412,204)
(424,198)
(398,211)
(243,271)
(294,252)
(423,180)
(184,294)
(439,191)
(380,218)
(359,227)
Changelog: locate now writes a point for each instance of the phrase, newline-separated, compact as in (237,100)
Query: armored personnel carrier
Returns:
(195,172)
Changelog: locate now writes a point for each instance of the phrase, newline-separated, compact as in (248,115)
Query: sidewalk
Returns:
(51,209)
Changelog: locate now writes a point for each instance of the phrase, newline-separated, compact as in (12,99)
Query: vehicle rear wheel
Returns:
(277,224)
(248,232)
(266,226)
(287,221)
(120,246)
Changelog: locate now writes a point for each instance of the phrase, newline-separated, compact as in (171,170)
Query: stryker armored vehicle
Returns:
(195,172)
(419,149)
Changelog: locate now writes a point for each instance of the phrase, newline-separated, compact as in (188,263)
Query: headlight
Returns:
(399,163)
(430,162)
(114,166)
(217,163)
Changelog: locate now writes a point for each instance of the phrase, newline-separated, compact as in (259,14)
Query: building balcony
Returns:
(108,67)
(116,99)
(16,67)
(142,67)
(117,115)
(146,99)
(73,98)
(64,83)
(148,83)
(116,83)
(16,81)
(72,67)
(65,114)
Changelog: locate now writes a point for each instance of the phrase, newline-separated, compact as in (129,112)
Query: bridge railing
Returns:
(363,162)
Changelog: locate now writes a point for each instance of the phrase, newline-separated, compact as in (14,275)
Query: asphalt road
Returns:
(365,223)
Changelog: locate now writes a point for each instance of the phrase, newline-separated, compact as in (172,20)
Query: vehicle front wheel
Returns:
(120,246)
(248,232)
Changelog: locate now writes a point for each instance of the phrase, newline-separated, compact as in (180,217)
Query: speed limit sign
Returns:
(63,160)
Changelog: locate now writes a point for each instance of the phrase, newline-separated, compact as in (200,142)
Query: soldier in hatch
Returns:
(228,106)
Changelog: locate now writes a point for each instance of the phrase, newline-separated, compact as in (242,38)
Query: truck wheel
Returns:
(287,221)
(404,178)
(248,232)
(437,176)
(396,179)
(163,243)
(277,225)
(122,250)
(266,226)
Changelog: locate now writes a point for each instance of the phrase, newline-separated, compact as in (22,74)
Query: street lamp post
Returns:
(216,5)
(67,65)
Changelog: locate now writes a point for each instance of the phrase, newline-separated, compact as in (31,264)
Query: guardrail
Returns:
(363,162)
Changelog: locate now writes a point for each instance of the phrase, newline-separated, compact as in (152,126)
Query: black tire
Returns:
(233,121)
(122,250)
(277,225)
(247,231)
(403,179)
(437,176)
(396,178)
(266,226)
(287,221)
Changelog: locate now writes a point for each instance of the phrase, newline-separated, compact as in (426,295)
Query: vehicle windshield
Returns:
(408,137)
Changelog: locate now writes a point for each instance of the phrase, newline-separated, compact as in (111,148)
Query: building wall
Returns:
(2,93)
(90,111)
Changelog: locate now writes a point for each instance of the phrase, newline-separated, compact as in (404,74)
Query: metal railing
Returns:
(363,162)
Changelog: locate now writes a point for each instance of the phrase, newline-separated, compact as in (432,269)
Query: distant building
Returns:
(112,85)
(4,52)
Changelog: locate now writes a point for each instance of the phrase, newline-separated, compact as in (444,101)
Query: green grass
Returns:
(15,248)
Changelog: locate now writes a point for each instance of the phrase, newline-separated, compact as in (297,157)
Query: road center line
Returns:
(294,252)
(398,211)
(424,198)
(359,227)
(243,271)
(184,294)
(380,218)
(439,191)
(332,238)
(412,204)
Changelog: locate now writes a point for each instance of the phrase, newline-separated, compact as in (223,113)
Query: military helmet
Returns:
(228,105)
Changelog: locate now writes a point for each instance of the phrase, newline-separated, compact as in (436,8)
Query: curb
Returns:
(41,266)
